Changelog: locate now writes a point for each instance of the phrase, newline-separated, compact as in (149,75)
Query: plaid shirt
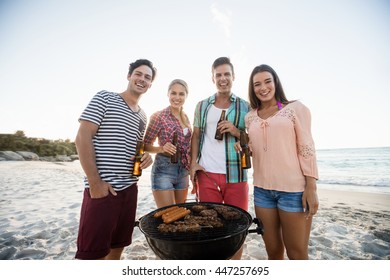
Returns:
(162,125)
(235,114)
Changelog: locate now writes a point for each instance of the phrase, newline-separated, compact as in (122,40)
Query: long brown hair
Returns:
(279,92)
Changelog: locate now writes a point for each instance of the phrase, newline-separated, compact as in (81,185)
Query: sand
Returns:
(40,204)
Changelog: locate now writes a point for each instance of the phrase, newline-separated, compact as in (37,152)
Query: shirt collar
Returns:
(166,111)
(233,98)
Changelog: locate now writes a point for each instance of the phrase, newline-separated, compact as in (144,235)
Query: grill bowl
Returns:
(208,244)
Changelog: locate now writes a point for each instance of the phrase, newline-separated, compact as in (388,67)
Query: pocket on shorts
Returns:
(184,172)
(97,200)
(161,163)
(95,204)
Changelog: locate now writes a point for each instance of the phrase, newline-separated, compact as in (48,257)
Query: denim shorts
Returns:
(168,176)
(286,201)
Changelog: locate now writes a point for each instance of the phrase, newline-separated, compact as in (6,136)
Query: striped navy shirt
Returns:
(116,139)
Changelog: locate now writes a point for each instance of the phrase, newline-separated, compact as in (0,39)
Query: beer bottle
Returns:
(245,154)
(175,156)
(137,171)
(218,134)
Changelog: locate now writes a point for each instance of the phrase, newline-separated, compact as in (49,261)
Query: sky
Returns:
(331,55)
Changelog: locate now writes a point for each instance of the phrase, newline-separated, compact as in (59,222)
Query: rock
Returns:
(74,157)
(28,155)
(49,158)
(63,158)
(24,155)
(9,155)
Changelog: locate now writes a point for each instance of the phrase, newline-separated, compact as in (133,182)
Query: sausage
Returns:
(166,210)
(172,213)
(181,214)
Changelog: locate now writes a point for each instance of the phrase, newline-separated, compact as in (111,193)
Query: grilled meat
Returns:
(198,208)
(208,213)
(179,227)
(227,213)
(208,221)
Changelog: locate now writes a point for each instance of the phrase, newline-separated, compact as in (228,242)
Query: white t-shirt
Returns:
(213,157)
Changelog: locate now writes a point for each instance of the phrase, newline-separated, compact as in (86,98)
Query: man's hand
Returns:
(226,126)
(100,189)
(146,160)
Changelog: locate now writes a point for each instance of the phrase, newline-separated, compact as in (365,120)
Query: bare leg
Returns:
(181,196)
(238,254)
(272,232)
(296,233)
(164,198)
(115,254)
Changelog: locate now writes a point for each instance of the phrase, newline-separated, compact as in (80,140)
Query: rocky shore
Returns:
(30,156)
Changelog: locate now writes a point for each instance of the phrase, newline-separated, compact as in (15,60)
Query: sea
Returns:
(355,169)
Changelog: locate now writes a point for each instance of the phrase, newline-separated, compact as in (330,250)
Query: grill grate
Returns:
(148,225)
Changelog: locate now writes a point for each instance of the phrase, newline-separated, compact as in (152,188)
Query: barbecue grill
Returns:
(209,243)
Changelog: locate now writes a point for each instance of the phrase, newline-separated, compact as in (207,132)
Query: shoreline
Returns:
(41,202)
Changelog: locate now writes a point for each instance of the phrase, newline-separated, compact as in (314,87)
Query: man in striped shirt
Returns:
(215,164)
(106,141)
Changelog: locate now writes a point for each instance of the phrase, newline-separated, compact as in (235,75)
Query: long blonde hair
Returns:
(184,118)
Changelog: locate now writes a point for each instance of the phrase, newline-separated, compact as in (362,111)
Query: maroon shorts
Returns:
(106,223)
(213,188)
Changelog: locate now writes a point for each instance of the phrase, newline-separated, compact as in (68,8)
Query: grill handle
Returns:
(259,229)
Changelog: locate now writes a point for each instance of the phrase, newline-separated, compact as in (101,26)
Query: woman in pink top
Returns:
(284,165)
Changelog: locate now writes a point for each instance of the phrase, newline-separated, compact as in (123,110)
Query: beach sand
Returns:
(40,204)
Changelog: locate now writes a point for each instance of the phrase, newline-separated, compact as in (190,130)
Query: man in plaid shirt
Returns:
(216,170)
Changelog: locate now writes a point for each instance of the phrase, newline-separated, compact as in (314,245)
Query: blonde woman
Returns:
(169,180)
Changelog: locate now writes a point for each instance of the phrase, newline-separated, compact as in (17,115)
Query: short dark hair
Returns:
(279,92)
(140,62)
(221,61)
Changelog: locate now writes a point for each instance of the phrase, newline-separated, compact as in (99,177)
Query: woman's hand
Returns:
(237,147)
(310,198)
(168,148)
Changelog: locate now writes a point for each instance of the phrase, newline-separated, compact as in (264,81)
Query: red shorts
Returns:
(235,194)
(106,223)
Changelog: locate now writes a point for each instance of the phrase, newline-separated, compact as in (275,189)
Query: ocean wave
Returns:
(361,183)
